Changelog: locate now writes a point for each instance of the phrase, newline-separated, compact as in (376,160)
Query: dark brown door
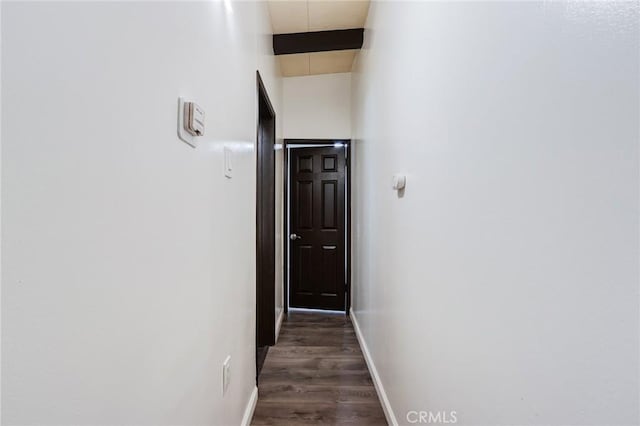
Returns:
(317,228)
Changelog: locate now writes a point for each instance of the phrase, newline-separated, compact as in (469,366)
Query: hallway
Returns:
(316,374)
(462,178)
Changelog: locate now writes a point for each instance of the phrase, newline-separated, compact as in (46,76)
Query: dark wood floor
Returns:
(261,356)
(316,375)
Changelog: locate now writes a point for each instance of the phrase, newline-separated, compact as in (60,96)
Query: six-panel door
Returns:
(317,228)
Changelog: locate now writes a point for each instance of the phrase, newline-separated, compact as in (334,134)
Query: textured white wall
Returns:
(317,106)
(128,258)
(504,284)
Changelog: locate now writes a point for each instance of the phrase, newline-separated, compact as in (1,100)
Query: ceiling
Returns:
(298,16)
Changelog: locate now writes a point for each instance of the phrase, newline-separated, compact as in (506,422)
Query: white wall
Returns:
(317,106)
(504,284)
(128,258)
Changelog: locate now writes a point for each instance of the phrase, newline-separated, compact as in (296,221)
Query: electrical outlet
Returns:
(226,374)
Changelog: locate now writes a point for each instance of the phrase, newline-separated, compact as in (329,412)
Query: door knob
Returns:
(294,237)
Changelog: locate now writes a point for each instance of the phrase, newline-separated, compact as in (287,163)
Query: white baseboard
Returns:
(279,323)
(382,395)
(251,406)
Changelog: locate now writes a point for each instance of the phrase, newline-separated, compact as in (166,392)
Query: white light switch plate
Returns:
(226,374)
(228,166)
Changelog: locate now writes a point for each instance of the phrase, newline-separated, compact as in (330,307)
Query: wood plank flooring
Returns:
(316,375)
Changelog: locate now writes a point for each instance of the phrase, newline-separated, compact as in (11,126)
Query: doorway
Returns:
(265,226)
(317,214)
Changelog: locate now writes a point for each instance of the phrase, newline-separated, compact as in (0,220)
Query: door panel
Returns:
(330,282)
(305,269)
(318,220)
(305,204)
(305,163)
(329,204)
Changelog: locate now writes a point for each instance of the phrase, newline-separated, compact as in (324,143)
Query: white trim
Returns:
(311,145)
(279,323)
(251,406)
(382,395)
(322,311)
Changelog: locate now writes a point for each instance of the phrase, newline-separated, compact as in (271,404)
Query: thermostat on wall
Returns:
(190,121)
(194,119)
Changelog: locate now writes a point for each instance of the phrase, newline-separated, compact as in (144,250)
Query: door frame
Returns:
(265,220)
(285,213)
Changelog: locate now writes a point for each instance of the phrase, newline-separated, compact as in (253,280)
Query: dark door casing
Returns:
(317,228)
(265,225)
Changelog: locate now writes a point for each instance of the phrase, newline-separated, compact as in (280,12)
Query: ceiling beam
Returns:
(318,41)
